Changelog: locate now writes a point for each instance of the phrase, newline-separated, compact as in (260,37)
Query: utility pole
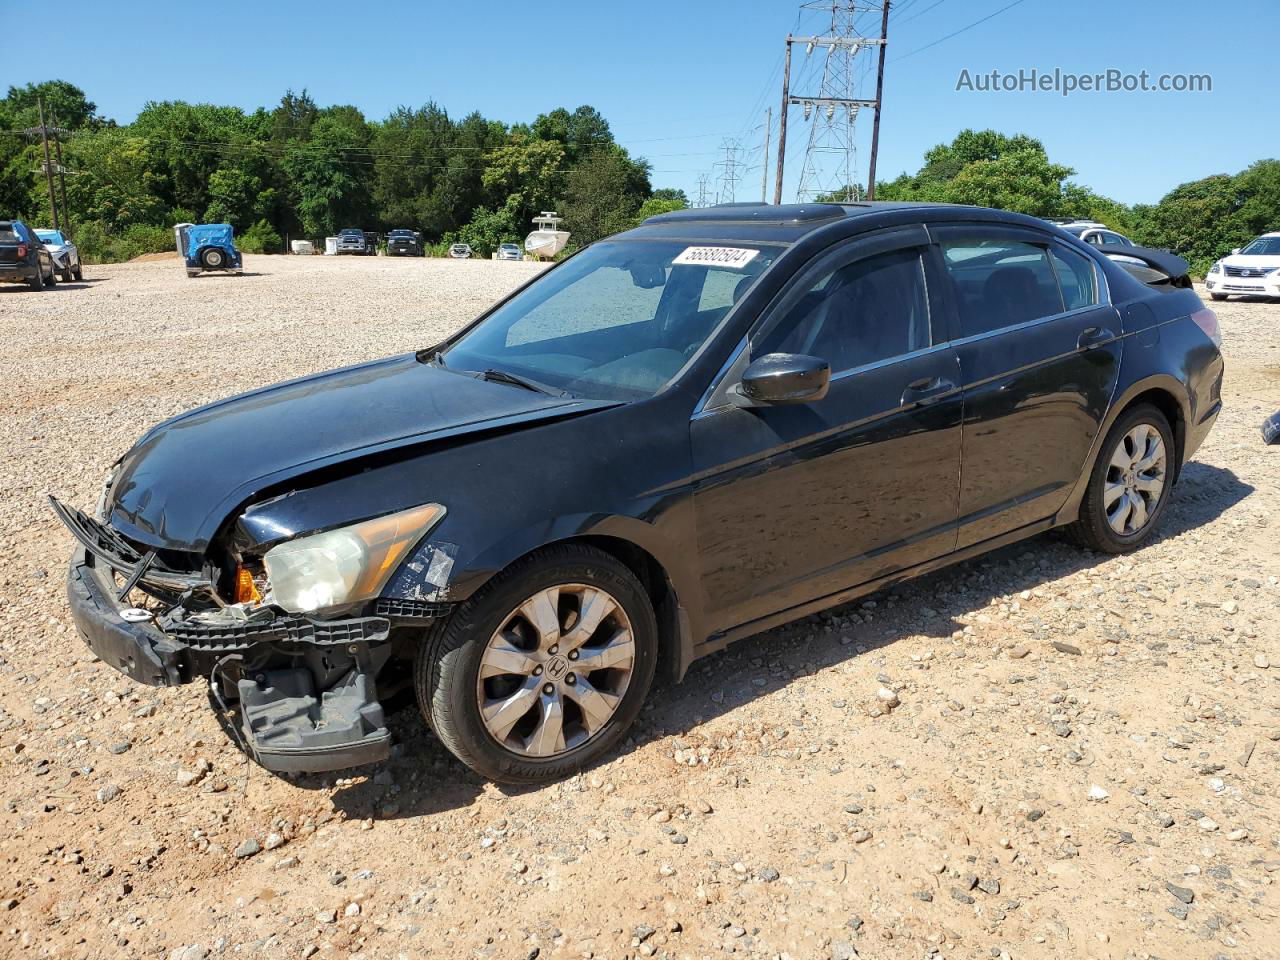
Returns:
(782,122)
(764,164)
(834,109)
(875,127)
(48,164)
(62,178)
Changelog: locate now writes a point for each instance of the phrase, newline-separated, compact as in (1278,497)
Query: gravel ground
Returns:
(1042,753)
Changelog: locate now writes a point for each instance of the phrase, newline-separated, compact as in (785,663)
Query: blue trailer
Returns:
(207,246)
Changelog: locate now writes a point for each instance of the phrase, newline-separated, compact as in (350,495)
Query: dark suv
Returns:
(720,421)
(23,257)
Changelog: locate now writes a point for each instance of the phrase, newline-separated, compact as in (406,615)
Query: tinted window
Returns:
(869,310)
(1077,278)
(1000,282)
(8,234)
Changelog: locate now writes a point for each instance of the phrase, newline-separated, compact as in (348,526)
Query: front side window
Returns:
(617,321)
(863,312)
(999,282)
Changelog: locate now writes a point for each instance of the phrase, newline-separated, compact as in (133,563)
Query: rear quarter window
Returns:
(1076,276)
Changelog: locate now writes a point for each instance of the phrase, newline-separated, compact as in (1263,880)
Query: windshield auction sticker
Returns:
(716,256)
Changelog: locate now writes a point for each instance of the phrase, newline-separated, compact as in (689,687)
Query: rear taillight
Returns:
(1207,321)
(22,250)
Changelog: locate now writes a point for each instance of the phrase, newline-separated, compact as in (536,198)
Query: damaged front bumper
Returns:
(305,687)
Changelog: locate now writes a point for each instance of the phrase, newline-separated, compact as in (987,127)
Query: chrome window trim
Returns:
(1026,324)
(887,361)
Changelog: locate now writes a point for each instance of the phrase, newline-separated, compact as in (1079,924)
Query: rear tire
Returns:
(1130,483)
(36,282)
(540,675)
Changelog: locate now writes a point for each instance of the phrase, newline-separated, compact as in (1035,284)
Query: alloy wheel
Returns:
(554,672)
(1135,480)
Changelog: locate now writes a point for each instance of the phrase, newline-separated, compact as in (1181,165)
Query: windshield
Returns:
(352,233)
(49,236)
(1263,247)
(617,321)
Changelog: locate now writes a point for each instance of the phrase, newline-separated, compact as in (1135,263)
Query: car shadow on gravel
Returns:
(423,778)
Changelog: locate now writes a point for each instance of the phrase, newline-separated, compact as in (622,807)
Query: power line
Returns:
(958,32)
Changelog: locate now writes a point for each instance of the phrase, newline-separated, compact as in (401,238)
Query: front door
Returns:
(794,503)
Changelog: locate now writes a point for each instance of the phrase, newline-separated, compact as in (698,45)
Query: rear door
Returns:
(1039,354)
(794,503)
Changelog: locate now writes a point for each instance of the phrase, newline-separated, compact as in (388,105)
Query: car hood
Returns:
(183,479)
(1252,261)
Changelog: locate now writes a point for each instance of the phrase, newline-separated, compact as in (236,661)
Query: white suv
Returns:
(1254,270)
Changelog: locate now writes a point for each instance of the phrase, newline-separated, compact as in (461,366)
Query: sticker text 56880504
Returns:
(716,256)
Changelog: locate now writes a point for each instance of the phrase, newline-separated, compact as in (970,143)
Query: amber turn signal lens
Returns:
(246,591)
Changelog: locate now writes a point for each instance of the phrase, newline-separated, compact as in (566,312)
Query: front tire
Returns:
(1130,484)
(1218,296)
(544,669)
(78,273)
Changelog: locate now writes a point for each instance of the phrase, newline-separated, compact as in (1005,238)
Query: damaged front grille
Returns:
(138,568)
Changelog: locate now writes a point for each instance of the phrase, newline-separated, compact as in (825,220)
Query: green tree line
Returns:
(299,170)
(1201,220)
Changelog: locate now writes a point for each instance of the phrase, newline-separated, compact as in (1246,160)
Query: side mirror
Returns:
(1234,251)
(779,378)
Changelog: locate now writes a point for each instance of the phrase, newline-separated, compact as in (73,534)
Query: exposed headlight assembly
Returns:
(346,565)
(1217,267)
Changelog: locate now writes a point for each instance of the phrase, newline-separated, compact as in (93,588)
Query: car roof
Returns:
(788,222)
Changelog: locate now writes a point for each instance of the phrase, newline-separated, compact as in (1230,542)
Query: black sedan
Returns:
(720,421)
(24,258)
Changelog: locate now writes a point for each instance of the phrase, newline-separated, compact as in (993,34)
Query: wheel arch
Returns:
(1168,395)
(638,547)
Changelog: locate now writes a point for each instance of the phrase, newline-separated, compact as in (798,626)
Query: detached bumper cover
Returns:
(289,723)
(138,650)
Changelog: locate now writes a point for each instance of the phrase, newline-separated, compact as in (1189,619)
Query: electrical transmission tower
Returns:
(704,184)
(727,179)
(830,158)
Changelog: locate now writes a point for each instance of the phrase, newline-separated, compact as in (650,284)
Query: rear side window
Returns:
(8,234)
(1000,282)
(1076,276)
(870,310)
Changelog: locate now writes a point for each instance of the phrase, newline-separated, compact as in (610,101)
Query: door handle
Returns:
(1093,336)
(926,390)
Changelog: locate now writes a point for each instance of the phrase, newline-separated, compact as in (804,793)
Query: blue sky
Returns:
(676,78)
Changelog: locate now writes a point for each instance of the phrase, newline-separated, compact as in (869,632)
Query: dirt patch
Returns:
(1116,795)
(154,257)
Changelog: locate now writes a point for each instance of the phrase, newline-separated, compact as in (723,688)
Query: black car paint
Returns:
(37,259)
(730,509)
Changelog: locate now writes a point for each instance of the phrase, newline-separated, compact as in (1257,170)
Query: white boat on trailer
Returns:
(547,238)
